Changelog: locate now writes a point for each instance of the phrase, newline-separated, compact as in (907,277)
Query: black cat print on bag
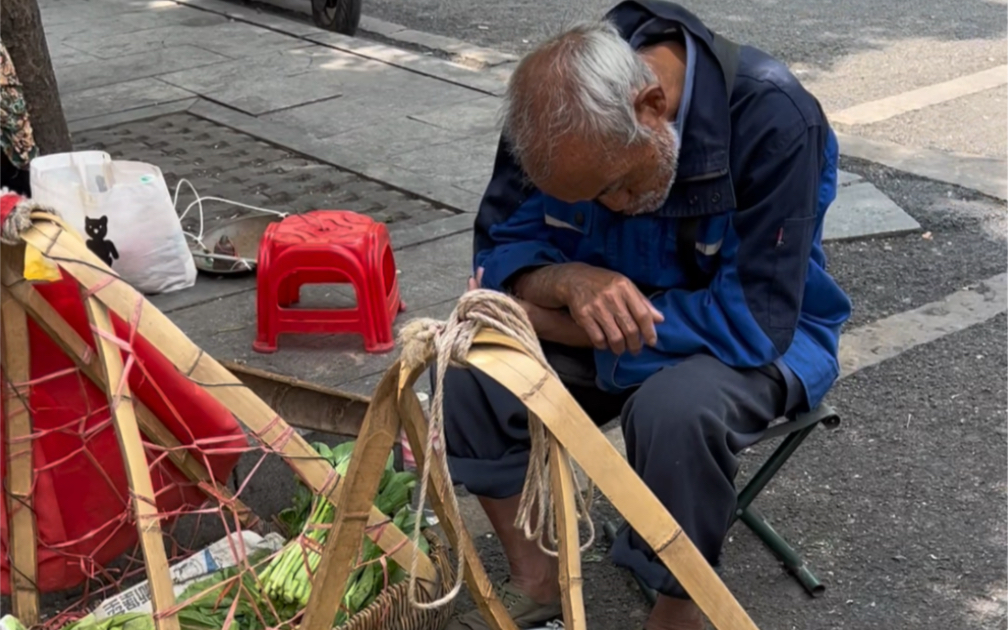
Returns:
(97,230)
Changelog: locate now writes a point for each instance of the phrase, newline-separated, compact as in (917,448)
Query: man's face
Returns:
(630,180)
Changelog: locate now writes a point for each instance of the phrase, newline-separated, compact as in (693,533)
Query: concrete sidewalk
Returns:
(419,123)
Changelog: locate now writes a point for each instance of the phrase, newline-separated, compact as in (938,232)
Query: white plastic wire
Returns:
(198,238)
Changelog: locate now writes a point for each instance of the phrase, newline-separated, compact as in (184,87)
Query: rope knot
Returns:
(448,344)
(17,219)
(418,342)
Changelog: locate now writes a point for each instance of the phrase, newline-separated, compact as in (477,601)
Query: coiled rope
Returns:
(447,344)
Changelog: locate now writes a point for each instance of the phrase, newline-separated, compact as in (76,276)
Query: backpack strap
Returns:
(686,250)
(727,54)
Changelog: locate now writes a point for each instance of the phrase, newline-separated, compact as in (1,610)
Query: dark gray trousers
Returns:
(683,429)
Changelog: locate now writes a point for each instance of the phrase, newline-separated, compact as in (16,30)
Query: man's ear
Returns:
(651,105)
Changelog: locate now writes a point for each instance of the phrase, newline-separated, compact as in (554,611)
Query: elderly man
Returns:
(657,206)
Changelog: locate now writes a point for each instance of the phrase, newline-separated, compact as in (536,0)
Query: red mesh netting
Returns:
(81,495)
(84,507)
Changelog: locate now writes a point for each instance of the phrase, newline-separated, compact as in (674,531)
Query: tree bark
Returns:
(24,37)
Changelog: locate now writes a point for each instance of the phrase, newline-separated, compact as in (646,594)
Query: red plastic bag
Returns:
(81,491)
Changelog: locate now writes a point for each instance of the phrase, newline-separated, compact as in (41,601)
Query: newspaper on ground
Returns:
(220,555)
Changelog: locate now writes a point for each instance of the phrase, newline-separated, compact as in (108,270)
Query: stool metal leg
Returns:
(767,471)
(785,552)
(759,525)
(756,522)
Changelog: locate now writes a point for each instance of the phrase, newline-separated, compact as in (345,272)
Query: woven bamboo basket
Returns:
(392,609)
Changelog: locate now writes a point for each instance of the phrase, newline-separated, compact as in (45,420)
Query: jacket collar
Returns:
(706,133)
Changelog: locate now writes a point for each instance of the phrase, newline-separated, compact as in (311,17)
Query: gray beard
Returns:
(668,150)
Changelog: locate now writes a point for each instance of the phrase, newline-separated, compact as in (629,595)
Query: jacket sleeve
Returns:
(748,314)
(505,193)
(519,243)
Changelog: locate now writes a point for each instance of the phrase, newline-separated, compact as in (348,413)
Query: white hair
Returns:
(582,81)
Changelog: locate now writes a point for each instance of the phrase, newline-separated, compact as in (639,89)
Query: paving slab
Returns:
(983,174)
(63,55)
(237,40)
(375,95)
(251,14)
(347,158)
(474,117)
(488,82)
(861,210)
(120,97)
(458,162)
(164,24)
(112,19)
(309,74)
(226,328)
(385,142)
(459,50)
(845,178)
(89,72)
(56,12)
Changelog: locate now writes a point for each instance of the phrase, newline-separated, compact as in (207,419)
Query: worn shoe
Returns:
(527,613)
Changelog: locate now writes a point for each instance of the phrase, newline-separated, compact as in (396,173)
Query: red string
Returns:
(184,528)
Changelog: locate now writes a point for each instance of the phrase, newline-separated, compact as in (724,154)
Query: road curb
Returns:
(458,50)
(490,80)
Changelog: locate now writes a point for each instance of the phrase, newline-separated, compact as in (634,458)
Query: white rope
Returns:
(198,203)
(448,343)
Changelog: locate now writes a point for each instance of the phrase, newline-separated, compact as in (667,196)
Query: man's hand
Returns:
(550,324)
(608,306)
(475,282)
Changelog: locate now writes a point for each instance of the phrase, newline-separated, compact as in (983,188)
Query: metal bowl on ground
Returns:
(232,248)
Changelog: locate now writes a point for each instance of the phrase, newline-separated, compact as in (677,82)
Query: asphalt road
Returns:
(847,53)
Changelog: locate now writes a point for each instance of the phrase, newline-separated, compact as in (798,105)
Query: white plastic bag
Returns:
(124,213)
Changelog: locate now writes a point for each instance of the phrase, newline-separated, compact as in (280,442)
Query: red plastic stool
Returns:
(327,247)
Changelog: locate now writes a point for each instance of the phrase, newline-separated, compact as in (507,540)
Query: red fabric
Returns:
(7,203)
(80,502)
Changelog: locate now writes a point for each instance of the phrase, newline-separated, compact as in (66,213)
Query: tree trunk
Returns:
(21,23)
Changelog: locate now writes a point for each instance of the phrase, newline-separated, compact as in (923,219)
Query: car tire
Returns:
(341,16)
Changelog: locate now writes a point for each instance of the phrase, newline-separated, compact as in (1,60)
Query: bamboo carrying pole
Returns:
(571,582)
(73,257)
(395,406)
(74,346)
(478,582)
(353,502)
(20,470)
(503,360)
(148,522)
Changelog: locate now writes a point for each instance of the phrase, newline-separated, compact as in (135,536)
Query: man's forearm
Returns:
(545,286)
(559,327)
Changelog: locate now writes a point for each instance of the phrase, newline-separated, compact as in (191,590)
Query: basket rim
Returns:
(396,593)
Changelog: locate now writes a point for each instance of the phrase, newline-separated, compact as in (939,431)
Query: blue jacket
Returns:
(757,171)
